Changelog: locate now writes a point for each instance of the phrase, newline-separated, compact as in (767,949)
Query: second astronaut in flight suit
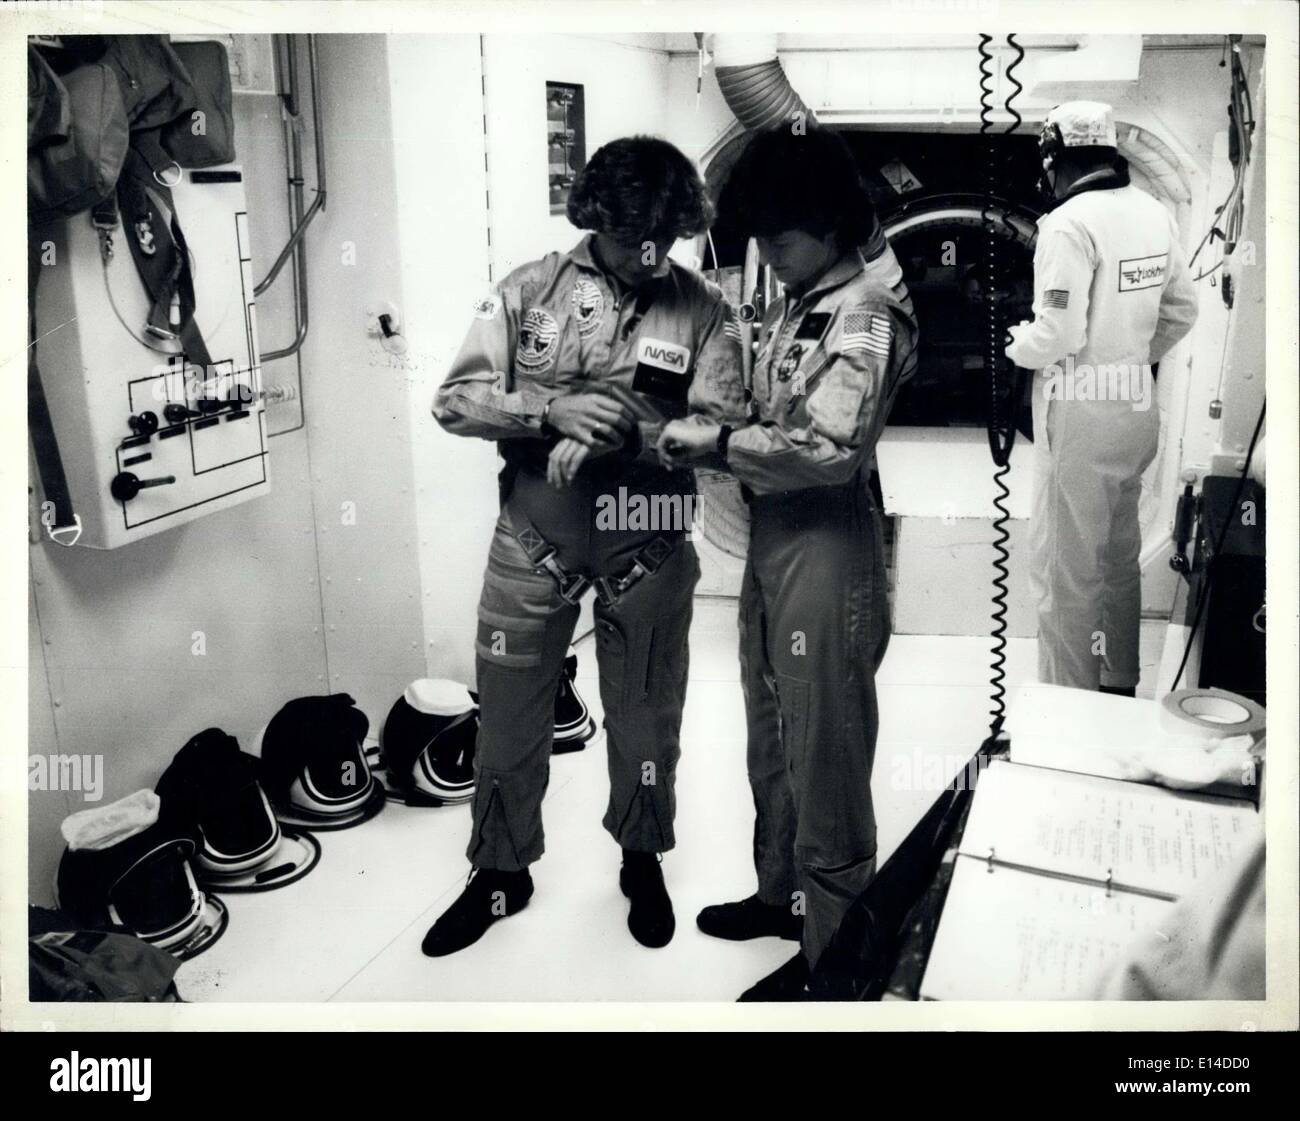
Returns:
(1112,294)
(571,365)
(813,616)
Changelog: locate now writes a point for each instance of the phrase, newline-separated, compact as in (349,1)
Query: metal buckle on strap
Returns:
(571,585)
(168,176)
(71,532)
(105,241)
(646,563)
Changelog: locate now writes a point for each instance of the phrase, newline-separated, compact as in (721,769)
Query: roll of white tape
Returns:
(1212,713)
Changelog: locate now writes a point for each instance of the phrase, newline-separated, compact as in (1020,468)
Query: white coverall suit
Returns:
(1112,294)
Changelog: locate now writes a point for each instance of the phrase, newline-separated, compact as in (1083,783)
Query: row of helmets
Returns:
(224,820)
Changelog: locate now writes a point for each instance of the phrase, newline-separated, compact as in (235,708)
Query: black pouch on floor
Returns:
(67,964)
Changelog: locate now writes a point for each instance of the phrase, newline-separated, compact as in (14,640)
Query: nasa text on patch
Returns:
(661,369)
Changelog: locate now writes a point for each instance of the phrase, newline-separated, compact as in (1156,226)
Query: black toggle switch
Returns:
(143,424)
(125,485)
(177,414)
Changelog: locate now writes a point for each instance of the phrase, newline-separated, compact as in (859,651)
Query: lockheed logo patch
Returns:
(1142,272)
(664,356)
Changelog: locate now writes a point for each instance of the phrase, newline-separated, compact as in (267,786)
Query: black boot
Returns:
(574,725)
(650,918)
(489,895)
(750,918)
(789,983)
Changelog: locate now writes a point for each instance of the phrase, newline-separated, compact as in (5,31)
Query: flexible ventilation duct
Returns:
(754,82)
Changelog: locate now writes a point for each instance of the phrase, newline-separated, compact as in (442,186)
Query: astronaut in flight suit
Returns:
(572,364)
(814,620)
(1112,294)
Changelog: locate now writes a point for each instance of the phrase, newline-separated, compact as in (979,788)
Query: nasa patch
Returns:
(664,355)
(488,307)
(539,337)
(588,306)
(661,369)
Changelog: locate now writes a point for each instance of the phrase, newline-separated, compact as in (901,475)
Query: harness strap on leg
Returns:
(649,558)
(541,555)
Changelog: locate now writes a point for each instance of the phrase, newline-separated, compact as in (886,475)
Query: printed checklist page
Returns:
(1012,935)
(1140,838)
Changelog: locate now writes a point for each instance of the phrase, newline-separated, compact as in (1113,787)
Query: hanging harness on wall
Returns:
(162,102)
(77,139)
(314,766)
(110,122)
(213,788)
(127,865)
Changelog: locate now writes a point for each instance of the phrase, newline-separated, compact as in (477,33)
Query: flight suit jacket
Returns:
(830,362)
(560,325)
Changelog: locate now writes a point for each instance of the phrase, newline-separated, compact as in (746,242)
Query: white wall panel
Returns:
(358,397)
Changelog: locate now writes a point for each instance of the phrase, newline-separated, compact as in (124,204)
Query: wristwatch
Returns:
(724,438)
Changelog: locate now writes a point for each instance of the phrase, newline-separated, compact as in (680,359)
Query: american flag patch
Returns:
(1056,297)
(866,332)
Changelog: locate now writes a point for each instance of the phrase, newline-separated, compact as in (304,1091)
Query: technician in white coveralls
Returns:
(1112,294)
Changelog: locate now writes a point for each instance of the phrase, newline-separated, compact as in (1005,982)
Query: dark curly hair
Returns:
(640,188)
(798,181)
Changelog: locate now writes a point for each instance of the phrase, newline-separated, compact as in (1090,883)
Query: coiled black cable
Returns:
(1002,397)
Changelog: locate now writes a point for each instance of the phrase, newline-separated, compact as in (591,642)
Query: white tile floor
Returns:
(351,930)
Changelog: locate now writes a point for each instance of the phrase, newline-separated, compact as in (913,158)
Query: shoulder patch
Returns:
(866,331)
(487,307)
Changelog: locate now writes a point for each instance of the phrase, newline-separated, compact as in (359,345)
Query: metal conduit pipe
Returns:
(295,247)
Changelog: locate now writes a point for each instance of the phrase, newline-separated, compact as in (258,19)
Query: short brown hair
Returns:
(640,188)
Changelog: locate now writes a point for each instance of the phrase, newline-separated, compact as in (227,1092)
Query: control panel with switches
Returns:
(148,439)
